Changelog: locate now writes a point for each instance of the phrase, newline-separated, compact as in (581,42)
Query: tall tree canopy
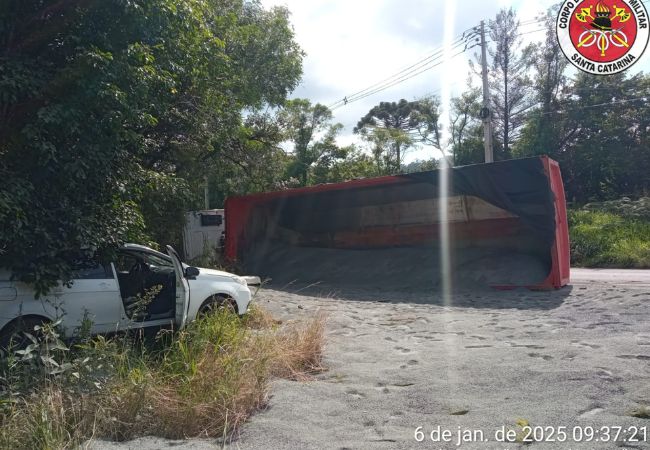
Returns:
(106,106)
(548,63)
(393,127)
(509,82)
(304,124)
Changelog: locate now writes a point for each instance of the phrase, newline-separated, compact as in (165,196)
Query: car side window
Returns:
(125,262)
(91,270)
(154,260)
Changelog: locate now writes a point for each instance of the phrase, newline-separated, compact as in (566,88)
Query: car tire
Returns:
(216,303)
(13,335)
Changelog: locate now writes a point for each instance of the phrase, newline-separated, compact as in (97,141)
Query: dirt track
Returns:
(574,358)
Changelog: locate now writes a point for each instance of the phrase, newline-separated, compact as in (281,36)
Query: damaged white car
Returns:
(110,295)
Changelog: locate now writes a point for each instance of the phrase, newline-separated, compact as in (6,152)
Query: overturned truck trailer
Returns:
(506,223)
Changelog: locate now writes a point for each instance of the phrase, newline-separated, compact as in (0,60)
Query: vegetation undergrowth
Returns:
(203,381)
(611,234)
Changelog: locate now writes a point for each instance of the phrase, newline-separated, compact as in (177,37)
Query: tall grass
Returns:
(607,239)
(202,381)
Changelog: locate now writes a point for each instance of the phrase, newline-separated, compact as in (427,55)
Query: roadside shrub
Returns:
(606,239)
(202,381)
(624,207)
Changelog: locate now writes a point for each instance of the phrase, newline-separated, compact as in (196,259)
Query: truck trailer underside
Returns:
(505,222)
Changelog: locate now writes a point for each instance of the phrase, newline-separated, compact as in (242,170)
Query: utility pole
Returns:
(486,114)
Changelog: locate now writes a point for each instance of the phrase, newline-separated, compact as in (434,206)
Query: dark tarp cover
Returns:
(519,186)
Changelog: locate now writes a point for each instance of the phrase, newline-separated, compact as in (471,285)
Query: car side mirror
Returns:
(192,272)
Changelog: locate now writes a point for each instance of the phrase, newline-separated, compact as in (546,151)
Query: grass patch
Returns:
(608,239)
(203,381)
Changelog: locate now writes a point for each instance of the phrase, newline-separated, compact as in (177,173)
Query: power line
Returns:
(613,102)
(421,66)
(415,66)
(464,39)
(391,81)
(562,111)
(524,33)
(400,79)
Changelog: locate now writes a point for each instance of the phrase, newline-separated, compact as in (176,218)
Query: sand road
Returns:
(577,358)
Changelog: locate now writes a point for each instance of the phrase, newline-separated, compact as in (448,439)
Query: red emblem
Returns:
(603,36)
(603,30)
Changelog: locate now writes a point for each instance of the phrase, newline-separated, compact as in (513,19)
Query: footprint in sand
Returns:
(412,362)
(533,346)
(559,322)
(639,357)
(585,344)
(607,375)
(539,355)
(382,387)
(480,338)
(355,393)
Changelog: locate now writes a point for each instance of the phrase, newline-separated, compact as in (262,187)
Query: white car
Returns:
(108,295)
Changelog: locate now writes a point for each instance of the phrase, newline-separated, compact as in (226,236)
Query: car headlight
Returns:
(240,280)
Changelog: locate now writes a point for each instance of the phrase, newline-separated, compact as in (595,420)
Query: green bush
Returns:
(202,381)
(607,239)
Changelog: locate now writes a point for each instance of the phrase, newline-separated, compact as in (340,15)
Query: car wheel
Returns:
(216,303)
(14,337)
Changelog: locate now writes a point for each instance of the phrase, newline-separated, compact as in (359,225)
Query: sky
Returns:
(351,45)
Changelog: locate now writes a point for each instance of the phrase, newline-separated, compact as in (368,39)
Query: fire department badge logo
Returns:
(603,37)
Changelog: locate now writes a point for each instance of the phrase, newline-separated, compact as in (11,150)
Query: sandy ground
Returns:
(574,358)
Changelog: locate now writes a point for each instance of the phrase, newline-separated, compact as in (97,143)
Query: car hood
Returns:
(214,273)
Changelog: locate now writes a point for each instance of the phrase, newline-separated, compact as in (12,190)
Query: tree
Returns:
(542,133)
(310,130)
(105,104)
(509,83)
(421,165)
(466,129)
(345,163)
(249,160)
(603,150)
(393,127)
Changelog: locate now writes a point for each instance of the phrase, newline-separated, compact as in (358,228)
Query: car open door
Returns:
(182,288)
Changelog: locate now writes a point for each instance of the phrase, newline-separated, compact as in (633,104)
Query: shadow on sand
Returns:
(477,298)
